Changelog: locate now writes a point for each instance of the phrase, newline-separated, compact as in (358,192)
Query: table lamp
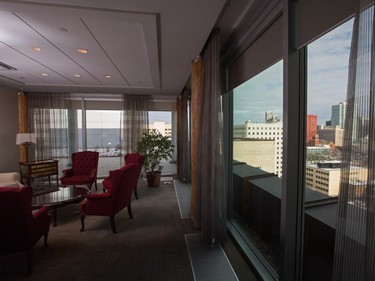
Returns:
(26,139)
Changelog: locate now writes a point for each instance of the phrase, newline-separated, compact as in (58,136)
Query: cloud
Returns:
(258,95)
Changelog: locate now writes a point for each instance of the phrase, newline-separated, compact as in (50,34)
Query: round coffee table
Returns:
(59,198)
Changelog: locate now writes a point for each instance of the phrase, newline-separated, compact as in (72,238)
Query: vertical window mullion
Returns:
(84,127)
(292,199)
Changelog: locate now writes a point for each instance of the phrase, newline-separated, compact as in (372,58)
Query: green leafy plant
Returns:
(156,148)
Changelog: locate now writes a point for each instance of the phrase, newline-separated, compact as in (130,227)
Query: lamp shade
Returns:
(25,137)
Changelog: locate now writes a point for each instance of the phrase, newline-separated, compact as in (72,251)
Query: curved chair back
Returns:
(137,159)
(84,162)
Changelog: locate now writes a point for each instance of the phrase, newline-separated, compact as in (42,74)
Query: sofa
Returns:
(10,179)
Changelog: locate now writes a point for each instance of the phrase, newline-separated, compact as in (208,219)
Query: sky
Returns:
(111,118)
(327,73)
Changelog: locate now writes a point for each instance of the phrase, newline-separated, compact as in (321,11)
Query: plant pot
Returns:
(153,179)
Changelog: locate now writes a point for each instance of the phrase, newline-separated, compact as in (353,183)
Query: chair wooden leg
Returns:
(82,222)
(113,226)
(130,211)
(96,186)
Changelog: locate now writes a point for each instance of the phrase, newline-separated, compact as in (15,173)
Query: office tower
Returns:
(338,115)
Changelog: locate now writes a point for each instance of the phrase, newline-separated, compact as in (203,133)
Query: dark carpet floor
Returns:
(151,246)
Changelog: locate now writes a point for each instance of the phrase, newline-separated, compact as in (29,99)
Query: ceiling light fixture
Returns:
(36,49)
(44,74)
(82,51)
(62,29)
(77,75)
(108,76)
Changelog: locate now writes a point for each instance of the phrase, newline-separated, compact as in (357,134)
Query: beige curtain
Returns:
(134,121)
(210,194)
(48,119)
(355,233)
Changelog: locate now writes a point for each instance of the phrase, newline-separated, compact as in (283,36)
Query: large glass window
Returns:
(327,68)
(103,136)
(257,162)
(161,121)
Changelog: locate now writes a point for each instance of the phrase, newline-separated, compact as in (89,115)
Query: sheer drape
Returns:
(134,121)
(48,119)
(355,233)
(210,168)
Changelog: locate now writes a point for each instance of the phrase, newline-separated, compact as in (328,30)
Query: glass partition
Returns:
(257,162)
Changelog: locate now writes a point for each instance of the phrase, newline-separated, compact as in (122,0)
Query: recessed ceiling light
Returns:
(44,74)
(108,76)
(77,75)
(36,49)
(62,29)
(82,51)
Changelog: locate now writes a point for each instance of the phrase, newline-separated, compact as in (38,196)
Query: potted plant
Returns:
(155,147)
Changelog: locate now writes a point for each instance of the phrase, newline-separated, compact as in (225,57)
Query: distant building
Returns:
(264,131)
(317,153)
(331,134)
(269,117)
(312,130)
(325,177)
(162,127)
(338,115)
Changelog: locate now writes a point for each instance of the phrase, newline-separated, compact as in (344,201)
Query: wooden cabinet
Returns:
(37,169)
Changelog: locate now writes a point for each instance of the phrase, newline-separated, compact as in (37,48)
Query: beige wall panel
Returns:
(9,151)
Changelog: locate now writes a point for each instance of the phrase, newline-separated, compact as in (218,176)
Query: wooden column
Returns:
(196,94)
(22,122)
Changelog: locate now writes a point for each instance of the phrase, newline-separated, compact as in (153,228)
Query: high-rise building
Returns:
(311,129)
(338,115)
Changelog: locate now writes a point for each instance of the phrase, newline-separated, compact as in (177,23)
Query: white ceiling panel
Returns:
(145,46)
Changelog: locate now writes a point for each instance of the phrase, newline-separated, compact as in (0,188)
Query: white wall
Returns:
(9,151)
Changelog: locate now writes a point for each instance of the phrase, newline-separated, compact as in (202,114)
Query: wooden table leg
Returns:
(54,216)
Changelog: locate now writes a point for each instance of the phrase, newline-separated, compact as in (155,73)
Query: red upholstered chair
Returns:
(20,229)
(130,158)
(137,159)
(114,200)
(83,171)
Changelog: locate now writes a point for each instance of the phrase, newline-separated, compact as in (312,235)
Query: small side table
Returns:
(37,169)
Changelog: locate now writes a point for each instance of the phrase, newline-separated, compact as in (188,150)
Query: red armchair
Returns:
(137,159)
(83,171)
(130,158)
(114,200)
(20,229)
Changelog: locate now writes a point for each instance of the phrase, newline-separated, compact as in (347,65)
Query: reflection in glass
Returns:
(257,161)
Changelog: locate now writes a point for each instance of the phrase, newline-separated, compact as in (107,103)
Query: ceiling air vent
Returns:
(4,66)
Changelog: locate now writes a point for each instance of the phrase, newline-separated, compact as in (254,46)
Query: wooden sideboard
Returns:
(37,169)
